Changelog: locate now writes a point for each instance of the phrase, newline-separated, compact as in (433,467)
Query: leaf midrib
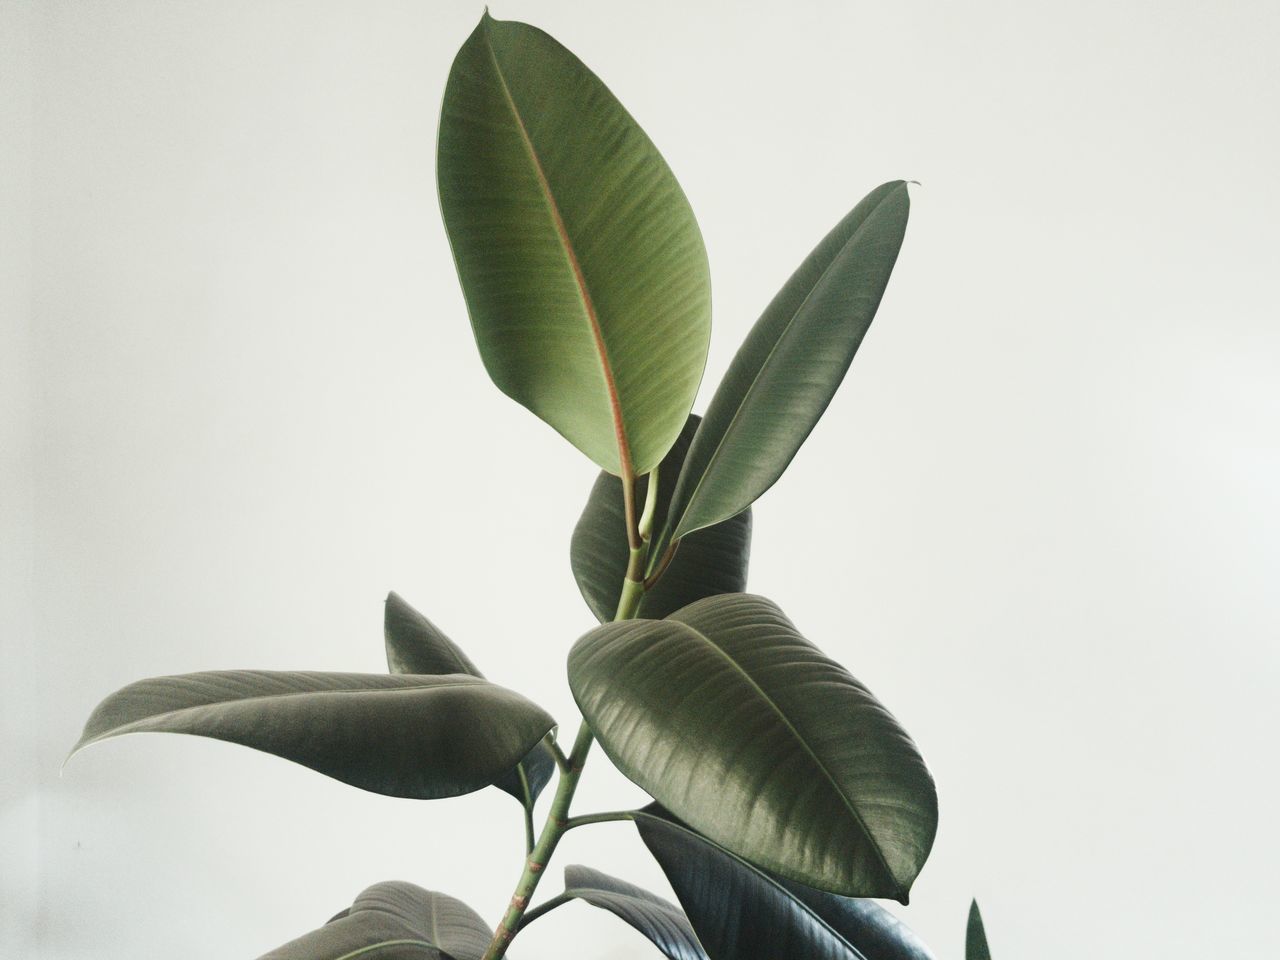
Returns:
(562,233)
(844,799)
(786,331)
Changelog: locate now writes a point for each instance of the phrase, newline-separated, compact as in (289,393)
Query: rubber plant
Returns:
(786,796)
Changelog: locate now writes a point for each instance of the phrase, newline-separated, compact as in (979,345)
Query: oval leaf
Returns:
(708,562)
(744,730)
(874,931)
(738,911)
(661,921)
(395,921)
(416,645)
(789,367)
(404,736)
(582,265)
(975,941)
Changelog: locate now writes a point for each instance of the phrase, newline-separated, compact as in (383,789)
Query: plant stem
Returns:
(558,900)
(609,817)
(536,863)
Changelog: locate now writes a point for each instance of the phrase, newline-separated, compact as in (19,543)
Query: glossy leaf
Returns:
(661,921)
(582,265)
(740,727)
(708,562)
(395,921)
(873,930)
(421,737)
(415,645)
(789,367)
(738,911)
(975,941)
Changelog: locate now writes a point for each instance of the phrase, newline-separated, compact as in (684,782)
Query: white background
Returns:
(240,401)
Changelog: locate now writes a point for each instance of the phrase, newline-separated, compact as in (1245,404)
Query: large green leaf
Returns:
(661,921)
(710,561)
(395,921)
(789,367)
(582,265)
(744,730)
(415,645)
(975,941)
(422,737)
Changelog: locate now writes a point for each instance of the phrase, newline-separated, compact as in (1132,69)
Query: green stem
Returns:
(536,863)
(556,901)
(609,817)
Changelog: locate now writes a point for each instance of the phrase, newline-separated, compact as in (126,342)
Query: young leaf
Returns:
(744,730)
(662,922)
(708,562)
(420,737)
(582,265)
(415,645)
(789,367)
(395,921)
(975,941)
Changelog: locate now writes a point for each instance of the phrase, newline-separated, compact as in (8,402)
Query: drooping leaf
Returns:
(415,645)
(738,911)
(582,265)
(395,921)
(740,727)
(708,562)
(661,921)
(789,367)
(975,941)
(421,737)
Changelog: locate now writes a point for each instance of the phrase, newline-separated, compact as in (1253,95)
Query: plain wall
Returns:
(1040,520)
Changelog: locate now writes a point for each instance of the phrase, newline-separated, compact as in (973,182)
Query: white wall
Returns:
(1040,520)
(20,761)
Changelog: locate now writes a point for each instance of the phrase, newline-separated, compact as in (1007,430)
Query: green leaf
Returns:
(873,930)
(395,921)
(415,645)
(582,265)
(789,367)
(420,737)
(708,562)
(740,727)
(738,911)
(661,921)
(975,941)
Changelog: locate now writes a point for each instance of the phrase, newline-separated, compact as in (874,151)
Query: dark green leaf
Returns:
(659,920)
(416,645)
(421,737)
(975,941)
(877,933)
(738,911)
(790,365)
(708,562)
(582,265)
(395,921)
(744,730)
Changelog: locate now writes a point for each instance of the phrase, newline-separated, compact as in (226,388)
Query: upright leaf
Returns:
(662,922)
(415,645)
(790,365)
(710,561)
(740,727)
(975,941)
(395,921)
(420,737)
(582,265)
